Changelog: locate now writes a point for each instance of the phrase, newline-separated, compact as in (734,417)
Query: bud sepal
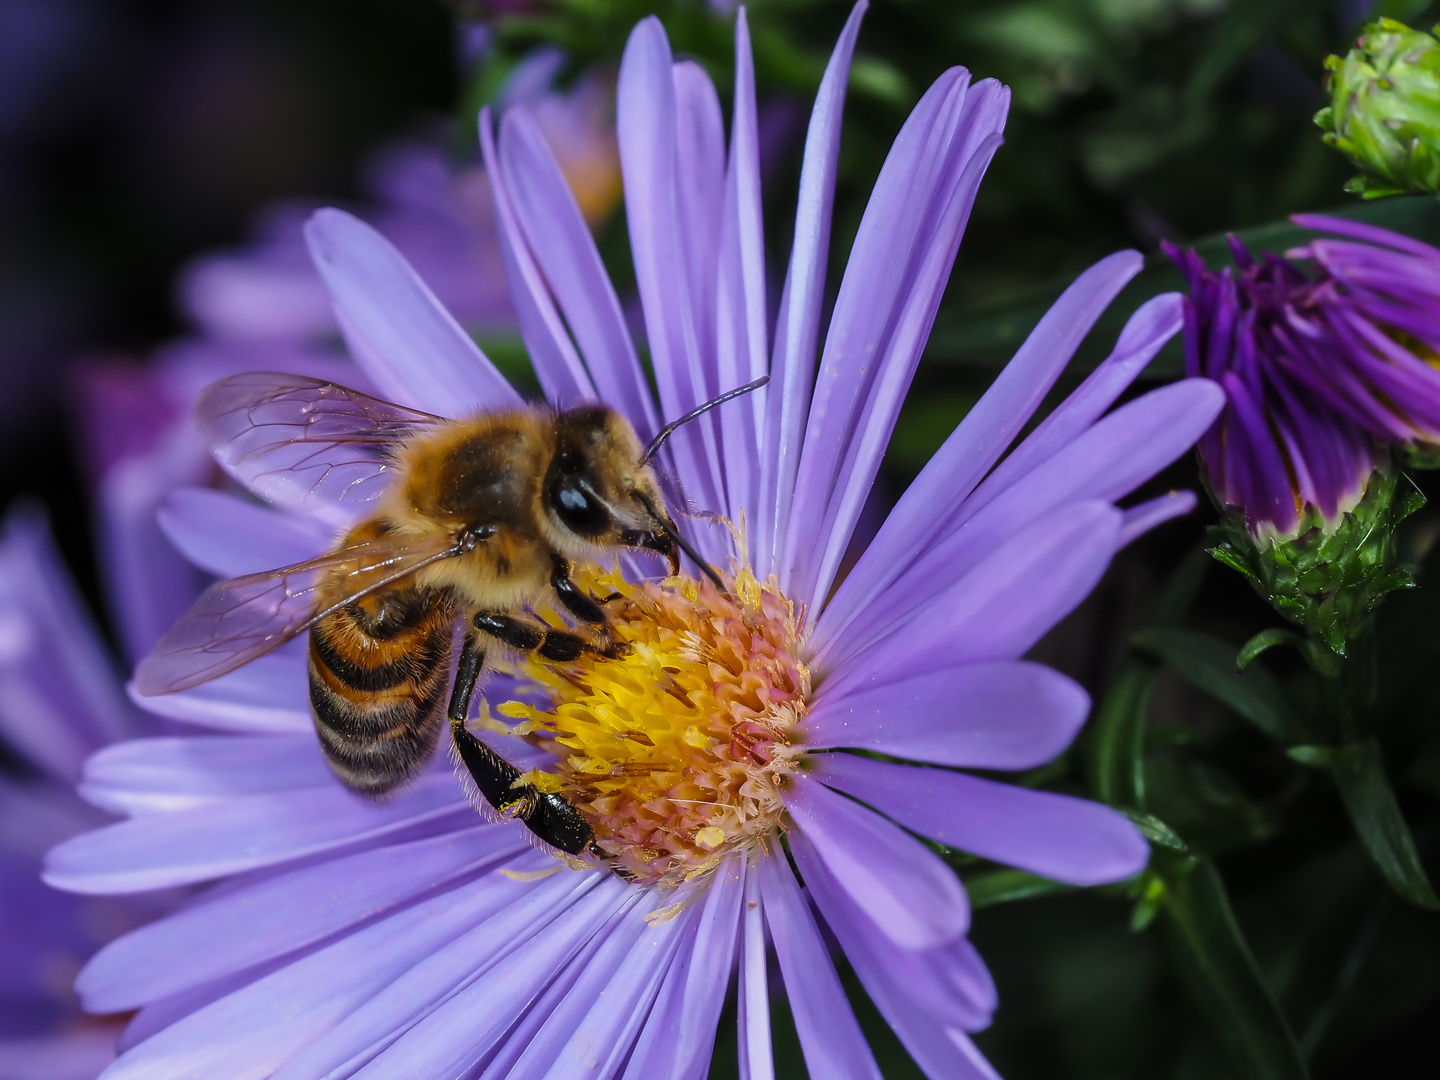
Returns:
(1327,576)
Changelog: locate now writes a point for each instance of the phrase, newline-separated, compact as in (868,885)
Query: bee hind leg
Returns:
(549,816)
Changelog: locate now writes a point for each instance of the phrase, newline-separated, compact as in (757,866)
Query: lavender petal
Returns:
(679,1034)
(512,914)
(1105,462)
(239,834)
(266,696)
(593,1028)
(757,1057)
(896,337)
(942,987)
(413,349)
(557,365)
(922,513)
(255,1030)
(834,1045)
(1146,331)
(58,691)
(1358,230)
(231,537)
(1006,715)
(797,331)
(739,331)
(699,203)
(1055,836)
(559,241)
(918,172)
(148,776)
(1000,608)
(246,926)
(1141,519)
(905,889)
(461,1032)
(645,123)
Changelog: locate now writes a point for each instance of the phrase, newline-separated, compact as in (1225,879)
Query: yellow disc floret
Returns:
(676,751)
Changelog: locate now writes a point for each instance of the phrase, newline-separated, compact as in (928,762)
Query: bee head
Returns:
(602,491)
(599,492)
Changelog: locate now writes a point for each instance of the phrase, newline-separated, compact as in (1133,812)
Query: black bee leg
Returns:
(585,608)
(467,674)
(575,600)
(662,543)
(558,645)
(550,817)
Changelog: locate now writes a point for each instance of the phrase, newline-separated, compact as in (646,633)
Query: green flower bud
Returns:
(1384,113)
(1327,577)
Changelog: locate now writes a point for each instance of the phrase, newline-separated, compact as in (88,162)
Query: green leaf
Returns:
(1150,899)
(1322,757)
(1215,965)
(1266,639)
(1002,886)
(1209,664)
(1155,830)
(1369,800)
(1114,758)
(1115,746)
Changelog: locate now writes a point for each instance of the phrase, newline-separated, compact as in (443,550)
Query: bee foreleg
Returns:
(575,600)
(585,608)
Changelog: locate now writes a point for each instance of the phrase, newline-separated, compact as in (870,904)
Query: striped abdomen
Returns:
(379,672)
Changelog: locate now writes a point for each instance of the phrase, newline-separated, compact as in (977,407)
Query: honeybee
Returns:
(478,518)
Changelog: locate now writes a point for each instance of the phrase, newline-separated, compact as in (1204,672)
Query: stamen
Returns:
(677,752)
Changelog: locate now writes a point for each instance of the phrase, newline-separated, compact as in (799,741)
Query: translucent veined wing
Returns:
(303,443)
(237,620)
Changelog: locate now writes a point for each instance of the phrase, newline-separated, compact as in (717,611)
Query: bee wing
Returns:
(235,621)
(303,443)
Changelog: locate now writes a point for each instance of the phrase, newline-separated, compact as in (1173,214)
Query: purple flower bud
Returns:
(1327,356)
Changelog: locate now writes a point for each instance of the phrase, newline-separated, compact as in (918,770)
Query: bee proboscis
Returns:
(479,518)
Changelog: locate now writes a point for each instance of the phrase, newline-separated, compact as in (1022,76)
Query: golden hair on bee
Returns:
(478,518)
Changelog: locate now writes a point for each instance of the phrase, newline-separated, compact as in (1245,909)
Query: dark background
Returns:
(136,135)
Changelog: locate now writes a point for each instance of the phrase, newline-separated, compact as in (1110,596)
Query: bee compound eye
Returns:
(577,507)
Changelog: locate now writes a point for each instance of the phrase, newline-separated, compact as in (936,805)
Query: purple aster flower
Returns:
(412,937)
(1324,361)
(60,700)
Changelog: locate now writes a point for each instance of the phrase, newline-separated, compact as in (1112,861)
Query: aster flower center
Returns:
(677,751)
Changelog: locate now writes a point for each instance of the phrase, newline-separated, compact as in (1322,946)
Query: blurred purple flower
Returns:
(138,443)
(60,701)
(440,215)
(412,938)
(1324,361)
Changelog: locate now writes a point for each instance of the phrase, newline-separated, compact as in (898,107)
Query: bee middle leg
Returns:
(559,645)
(551,817)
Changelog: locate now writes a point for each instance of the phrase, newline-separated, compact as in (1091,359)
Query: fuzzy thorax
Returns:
(677,751)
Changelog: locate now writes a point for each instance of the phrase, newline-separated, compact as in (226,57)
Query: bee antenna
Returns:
(699,410)
(684,545)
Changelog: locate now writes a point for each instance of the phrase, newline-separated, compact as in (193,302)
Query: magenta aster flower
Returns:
(412,937)
(1324,361)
